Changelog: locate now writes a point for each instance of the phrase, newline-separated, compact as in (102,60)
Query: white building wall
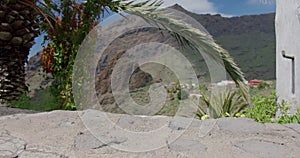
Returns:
(288,40)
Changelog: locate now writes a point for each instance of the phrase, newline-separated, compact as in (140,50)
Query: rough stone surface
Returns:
(10,146)
(239,125)
(138,79)
(65,134)
(265,149)
(188,146)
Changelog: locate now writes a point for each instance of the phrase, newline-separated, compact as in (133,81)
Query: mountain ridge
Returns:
(250,40)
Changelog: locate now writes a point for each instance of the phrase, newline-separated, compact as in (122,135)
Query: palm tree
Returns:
(18,28)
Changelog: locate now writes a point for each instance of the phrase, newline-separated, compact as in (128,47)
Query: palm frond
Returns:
(192,37)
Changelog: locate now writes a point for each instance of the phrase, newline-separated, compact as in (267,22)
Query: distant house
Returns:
(255,83)
(226,83)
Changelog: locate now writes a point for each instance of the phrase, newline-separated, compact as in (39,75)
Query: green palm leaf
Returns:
(192,37)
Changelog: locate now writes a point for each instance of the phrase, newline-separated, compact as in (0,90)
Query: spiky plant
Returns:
(224,104)
(18,28)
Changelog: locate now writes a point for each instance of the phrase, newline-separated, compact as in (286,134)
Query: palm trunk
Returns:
(12,82)
(17,32)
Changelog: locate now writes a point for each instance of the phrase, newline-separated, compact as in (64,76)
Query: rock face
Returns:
(35,76)
(33,65)
(63,134)
(103,86)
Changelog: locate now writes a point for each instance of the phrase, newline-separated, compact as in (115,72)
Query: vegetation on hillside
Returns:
(250,40)
(255,53)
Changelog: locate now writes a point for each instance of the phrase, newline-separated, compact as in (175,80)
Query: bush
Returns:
(43,101)
(263,85)
(24,102)
(286,118)
(264,108)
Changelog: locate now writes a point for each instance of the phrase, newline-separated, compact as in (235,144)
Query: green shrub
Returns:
(264,108)
(263,85)
(203,88)
(24,102)
(286,118)
(43,101)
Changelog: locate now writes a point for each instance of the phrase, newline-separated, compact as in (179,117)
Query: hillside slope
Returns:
(249,39)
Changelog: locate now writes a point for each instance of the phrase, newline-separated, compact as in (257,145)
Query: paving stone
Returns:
(33,154)
(181,123)
(240,125)
(294,127)
(10,146)
(87,141)
(188,146)
(264,149)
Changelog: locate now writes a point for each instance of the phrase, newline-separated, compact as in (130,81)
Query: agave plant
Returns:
(224,104)
(18,28)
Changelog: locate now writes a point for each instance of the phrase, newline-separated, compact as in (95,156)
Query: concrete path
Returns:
(62,134)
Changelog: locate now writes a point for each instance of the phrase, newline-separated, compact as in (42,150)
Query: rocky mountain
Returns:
(249,39)
(217,25)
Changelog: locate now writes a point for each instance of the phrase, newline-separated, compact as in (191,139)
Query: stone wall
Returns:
(63,134)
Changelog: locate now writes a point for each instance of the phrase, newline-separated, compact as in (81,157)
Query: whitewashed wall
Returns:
(288,41)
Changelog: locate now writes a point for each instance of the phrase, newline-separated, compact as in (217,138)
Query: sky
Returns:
(226,8)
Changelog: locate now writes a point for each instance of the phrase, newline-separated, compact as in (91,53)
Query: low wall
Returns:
(65,134)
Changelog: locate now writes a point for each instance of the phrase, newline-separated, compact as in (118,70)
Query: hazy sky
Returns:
(224,7)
